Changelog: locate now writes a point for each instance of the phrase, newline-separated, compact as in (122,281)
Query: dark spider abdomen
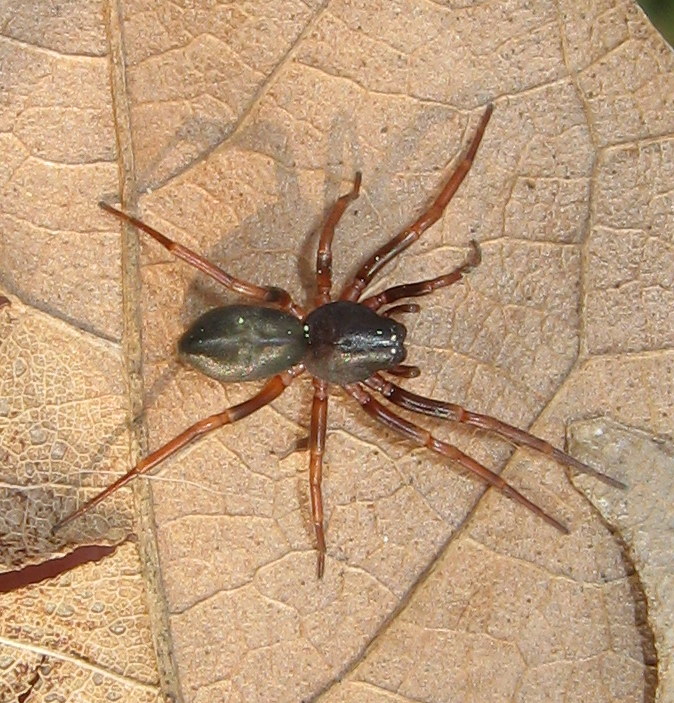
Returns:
(348,342)
(243,342)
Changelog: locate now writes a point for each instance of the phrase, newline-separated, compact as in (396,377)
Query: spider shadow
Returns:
(193,141)
(302,221)
(108,521)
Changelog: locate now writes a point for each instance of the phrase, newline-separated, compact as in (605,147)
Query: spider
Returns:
(348,342)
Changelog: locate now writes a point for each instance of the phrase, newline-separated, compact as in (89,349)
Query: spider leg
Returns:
(264,294)
(319,417)
(319,407)
(414,290)
(271,390)
(408,236)
(324,253)
(450,411)
(424,438)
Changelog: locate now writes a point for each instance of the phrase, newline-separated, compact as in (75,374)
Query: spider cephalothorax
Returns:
(348,342)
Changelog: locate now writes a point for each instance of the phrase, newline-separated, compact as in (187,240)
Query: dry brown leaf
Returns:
(238,125)
(641,517)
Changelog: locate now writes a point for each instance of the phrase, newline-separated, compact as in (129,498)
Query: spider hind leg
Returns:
(424,438)
(456,413)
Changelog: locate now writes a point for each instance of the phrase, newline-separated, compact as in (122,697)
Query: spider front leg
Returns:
(456,413)
(424,438)
(270,391)
(408,236)
(263,294)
